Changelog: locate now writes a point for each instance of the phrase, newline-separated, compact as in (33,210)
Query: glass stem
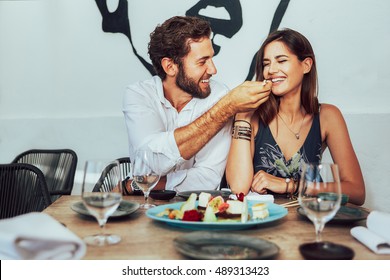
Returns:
(319,226)
(102,222)
(146,195)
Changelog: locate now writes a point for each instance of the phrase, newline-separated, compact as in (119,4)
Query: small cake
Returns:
(204,199)
(260,211)
(233,211)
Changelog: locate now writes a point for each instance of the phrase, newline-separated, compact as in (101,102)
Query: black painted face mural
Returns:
(225,17)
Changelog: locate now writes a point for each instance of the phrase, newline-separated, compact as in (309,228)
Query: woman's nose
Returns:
(272,68)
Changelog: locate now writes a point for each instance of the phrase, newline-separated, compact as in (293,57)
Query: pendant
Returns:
(297,136)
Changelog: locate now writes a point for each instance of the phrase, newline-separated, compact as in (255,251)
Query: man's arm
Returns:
(192,137)
(208,165)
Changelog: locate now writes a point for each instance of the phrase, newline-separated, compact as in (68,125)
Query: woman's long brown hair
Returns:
(301,47)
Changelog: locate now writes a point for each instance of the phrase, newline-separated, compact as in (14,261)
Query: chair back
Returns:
(57,165)
(125,166)
(106,177)
(23,189)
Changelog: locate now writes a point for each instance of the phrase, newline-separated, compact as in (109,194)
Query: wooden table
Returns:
(145,239)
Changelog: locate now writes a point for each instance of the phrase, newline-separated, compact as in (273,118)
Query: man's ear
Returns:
(169,66)
(307,63)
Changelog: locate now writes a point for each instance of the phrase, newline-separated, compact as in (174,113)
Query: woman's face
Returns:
(283,69)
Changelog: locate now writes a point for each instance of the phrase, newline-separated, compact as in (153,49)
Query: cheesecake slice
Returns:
(260,211)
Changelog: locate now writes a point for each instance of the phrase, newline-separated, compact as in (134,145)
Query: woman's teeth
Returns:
(277,80)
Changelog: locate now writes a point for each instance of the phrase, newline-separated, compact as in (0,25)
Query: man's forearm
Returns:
(194,136)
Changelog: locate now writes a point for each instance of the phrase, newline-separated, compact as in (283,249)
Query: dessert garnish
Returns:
(216,209)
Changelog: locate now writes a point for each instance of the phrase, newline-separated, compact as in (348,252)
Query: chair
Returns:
(223,184)
(125,166)
(106,177)
(23,189)
(57,165)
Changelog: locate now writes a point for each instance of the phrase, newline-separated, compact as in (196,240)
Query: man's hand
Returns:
(248,96)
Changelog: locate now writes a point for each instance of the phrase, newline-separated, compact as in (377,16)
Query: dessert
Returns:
(204,199)
(216,209)
(260,211)
(190,203)
(215,203)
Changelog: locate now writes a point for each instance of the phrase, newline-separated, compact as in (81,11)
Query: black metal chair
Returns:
(125,166)
(57,165)
(106,177)
(23,189)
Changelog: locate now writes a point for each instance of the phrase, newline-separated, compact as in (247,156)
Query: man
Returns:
(181,113)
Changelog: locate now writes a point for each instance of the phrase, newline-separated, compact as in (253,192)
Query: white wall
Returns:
(62,78)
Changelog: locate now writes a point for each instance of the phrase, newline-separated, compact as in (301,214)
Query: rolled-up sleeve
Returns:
(146,126)
(151,121)
(208,164)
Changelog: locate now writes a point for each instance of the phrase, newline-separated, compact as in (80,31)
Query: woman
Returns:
(269,144)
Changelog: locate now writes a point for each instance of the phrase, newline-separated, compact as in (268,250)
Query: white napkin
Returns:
(38,236)
(376,236)
(254,196)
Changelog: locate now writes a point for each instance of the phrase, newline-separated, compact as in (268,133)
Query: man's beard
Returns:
(189,85)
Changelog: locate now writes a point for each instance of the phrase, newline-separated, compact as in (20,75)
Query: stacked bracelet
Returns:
(242,132)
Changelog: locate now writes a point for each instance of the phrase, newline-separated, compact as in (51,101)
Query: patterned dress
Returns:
(269,157)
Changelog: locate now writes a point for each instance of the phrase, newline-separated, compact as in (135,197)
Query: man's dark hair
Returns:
(172,40)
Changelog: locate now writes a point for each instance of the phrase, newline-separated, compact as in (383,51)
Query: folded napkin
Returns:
(376,235)
(254,196)
(38,236)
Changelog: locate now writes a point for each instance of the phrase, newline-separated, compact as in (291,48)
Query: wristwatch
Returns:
(288,180)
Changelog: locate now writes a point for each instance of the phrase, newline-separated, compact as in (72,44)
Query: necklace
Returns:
(296,134)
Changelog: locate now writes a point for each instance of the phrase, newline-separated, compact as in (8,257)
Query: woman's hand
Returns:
(262,181)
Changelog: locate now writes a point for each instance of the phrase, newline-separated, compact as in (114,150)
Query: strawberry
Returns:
(192,216)
(240,196)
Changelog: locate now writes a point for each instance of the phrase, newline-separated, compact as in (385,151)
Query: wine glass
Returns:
(101,195)
(145,168)
(320,193)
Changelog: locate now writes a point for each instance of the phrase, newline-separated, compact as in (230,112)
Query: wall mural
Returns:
(119,21)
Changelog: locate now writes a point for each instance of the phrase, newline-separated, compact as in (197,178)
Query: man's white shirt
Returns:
(151,120)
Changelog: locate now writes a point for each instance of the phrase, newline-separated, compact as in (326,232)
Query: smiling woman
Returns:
(271,161)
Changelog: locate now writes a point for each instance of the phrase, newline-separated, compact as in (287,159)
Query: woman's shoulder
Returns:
(329,110)
(330,113)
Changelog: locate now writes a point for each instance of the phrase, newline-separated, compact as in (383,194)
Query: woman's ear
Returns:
(307,63)
(169,66)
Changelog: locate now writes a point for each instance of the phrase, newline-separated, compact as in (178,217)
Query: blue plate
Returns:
(276,212)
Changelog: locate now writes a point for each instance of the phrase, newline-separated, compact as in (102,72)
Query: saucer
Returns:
(326,251)
(205,245)
(162,194)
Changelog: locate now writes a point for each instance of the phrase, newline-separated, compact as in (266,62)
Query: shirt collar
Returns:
(160,93)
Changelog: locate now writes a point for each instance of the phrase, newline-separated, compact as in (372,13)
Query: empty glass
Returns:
(101,195)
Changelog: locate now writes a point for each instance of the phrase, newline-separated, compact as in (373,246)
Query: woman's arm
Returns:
(239,167)
(335,133)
